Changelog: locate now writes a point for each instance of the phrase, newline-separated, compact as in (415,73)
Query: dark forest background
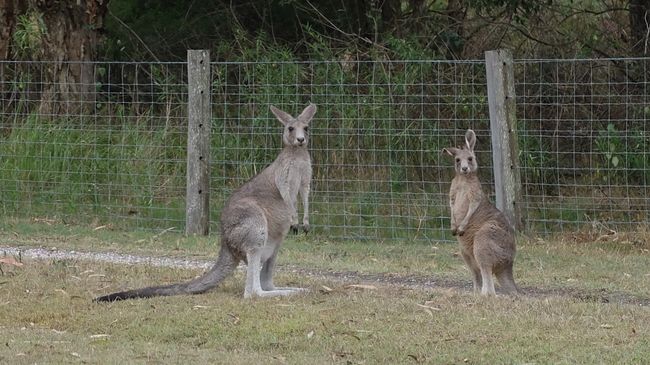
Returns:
(150,30)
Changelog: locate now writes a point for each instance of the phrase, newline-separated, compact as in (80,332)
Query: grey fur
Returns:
(256,219)
(487,240)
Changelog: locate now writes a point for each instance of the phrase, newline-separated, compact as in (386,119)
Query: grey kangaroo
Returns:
(487,241)
(256,219)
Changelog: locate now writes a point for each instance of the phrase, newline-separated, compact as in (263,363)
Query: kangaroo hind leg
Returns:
(259,272)
(254,278)
(267,271)
(507,281)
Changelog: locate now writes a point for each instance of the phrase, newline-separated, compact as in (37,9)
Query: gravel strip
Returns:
(108,257)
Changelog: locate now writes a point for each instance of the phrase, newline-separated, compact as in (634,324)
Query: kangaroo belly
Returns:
(461,207)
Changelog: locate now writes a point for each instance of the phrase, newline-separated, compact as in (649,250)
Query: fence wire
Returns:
(376,138)
(98,142)
(584,143)
(105,143)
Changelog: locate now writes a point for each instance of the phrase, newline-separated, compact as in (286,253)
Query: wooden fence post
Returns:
(197,200)
(503,127)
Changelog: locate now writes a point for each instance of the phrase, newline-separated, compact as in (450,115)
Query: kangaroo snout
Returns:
(301,139)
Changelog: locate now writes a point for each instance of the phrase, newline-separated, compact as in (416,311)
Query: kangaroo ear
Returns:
(470,139)
(307,114)
(451,151)
(282,116)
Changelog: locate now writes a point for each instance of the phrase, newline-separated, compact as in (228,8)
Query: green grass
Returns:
(48,317)
(613,263)
(66,168)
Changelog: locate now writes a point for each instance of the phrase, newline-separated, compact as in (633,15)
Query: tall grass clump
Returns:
(66,168)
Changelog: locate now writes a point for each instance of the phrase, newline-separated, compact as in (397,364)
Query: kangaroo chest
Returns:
(293,174)
(462,193)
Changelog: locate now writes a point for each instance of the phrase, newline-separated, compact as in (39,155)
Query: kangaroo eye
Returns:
(306,129)
(469,159)
(290,129)
(458,160)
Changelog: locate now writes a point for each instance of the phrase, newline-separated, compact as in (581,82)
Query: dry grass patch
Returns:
(48,317)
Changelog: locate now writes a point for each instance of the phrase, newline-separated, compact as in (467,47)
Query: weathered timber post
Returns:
(197,200)
(503,127)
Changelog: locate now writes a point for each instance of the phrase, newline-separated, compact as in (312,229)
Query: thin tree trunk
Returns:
(7,21)
(639,11)
(71,39)
(390,14)
(456,12)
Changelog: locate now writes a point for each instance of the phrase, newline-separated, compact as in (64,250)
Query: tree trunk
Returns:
(390,14)
(418,9)
(456,13)
(356,13)
(73,33)
(7,23)
(639,11)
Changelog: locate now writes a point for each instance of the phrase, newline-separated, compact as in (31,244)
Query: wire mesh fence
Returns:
(376,139)
(102,142)
(106,143)
(584,142)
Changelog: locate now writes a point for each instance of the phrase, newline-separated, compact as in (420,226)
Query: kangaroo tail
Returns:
(225,265)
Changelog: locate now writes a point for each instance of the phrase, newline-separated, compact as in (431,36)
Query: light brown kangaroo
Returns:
(256,219)
(487,240)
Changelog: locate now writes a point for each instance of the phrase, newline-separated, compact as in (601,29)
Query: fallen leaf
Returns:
(353,335)
(310,334)
(279,358)
(325,289)
(340,355)
(606,326)
(414,357)
(428,307)
(10,261)
(200,307)
(361,286)
(235,318)
(100,336)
